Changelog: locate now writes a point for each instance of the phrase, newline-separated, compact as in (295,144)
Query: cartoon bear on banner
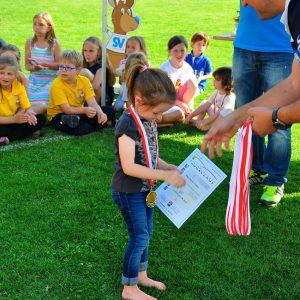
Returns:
(124,21)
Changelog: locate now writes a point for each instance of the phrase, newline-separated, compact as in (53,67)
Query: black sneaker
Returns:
(37,134)
(70,120)
(257,178)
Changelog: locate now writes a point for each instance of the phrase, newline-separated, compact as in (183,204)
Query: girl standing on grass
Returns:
(17,119)
(134,44)
(183,78)
(12,50)
(42,53)
(222,100)
(137,168)
(92,64)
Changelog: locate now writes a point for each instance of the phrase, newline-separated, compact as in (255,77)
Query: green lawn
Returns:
(61,236)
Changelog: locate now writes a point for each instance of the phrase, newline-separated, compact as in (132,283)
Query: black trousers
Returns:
(21,131)
(86,125)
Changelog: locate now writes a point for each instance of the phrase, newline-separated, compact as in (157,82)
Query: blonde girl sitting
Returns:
(133,45)
(17,118)
(14,51)
(92,68)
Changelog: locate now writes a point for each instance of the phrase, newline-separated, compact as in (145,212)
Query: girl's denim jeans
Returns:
(139,221)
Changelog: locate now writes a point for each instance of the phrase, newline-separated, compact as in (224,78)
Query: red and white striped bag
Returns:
(238,209)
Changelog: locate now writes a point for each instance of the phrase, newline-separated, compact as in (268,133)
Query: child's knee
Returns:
(119,105)
(191,85)
(181,116)
(86,73)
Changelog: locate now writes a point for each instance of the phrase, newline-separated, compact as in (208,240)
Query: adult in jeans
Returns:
(262,58)
(289,109)
(280,106)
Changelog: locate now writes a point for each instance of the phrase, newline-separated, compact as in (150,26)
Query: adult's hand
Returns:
(221,132)
(262,120)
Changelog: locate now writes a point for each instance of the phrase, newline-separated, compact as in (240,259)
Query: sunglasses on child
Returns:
(66,68)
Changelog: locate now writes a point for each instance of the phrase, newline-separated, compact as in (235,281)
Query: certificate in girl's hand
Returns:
(202,178)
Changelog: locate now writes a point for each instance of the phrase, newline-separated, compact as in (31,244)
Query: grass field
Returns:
(61,237)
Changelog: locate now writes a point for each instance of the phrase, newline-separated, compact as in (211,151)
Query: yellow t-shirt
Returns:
(10,102)
(61,92)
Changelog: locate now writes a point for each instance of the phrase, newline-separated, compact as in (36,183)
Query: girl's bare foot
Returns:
(132,292)
(205,124)
(200,124)
(144,280)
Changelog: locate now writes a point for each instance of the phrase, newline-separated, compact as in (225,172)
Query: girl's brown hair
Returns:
(152,85)
(201,36)
(176,40)
(225,75)
(11,48)
(9,61)
(135,58)
(93,40)
(50,35)
(140,41)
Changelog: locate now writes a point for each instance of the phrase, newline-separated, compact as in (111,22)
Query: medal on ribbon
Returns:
(151,199)
(152,196)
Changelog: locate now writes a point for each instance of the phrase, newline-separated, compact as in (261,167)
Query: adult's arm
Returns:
(283,94)
(262,117)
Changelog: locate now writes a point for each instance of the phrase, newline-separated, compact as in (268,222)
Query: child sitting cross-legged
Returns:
(222,101)
(183,78)
(17,119)
(14,51)
(68,94)
(198,61)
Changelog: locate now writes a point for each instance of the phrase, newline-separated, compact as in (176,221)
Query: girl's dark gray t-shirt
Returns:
(126,125)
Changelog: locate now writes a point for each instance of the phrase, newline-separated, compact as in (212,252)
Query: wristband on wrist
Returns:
(277,123)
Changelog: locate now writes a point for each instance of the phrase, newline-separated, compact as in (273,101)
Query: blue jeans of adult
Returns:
(254,73)
(139,221)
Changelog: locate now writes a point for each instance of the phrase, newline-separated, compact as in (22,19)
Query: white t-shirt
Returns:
(222,102)
(183,73)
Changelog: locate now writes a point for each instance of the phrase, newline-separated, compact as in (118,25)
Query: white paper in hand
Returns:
(202,178)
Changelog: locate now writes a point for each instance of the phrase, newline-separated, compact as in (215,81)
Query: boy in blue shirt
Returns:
(198,61)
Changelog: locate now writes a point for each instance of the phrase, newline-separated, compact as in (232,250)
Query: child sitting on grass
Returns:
(133,45)
(92,63)
(133,59)
(68,94)
(198,61)
(222,100)
(183,78)
(17,119)
(12,50)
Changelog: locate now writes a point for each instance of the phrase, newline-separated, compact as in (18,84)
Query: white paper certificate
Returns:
(202,178)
